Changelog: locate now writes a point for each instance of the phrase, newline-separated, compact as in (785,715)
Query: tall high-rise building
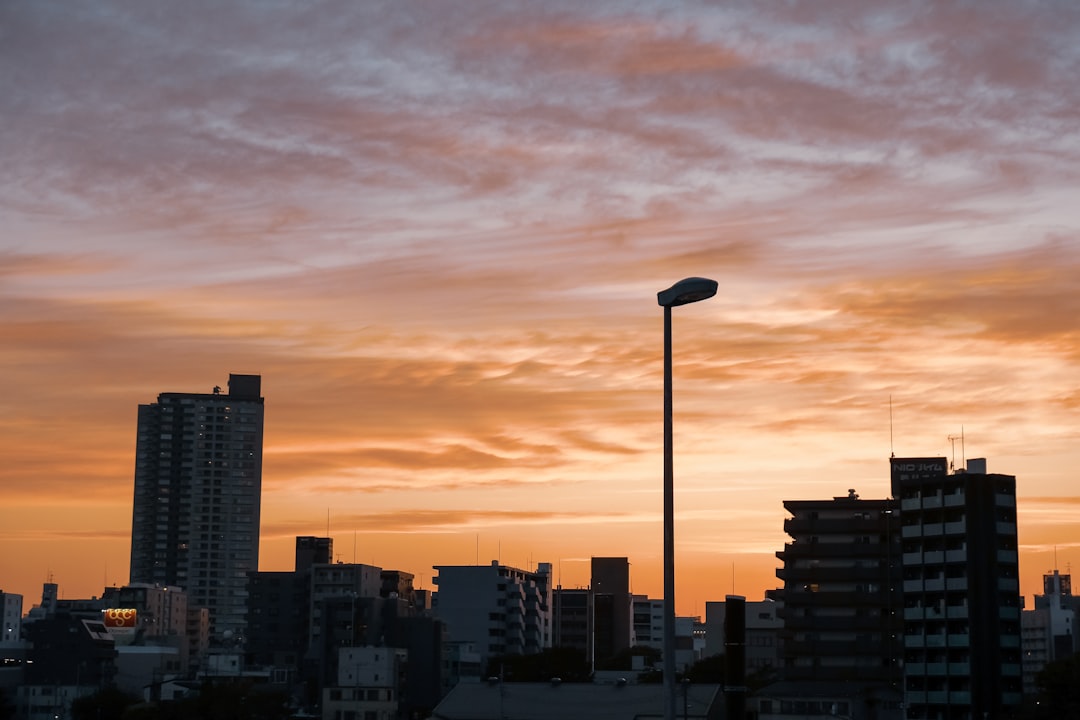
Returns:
(961,590)
(198,482)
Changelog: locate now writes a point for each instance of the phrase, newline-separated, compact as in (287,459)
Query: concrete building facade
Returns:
(498,608)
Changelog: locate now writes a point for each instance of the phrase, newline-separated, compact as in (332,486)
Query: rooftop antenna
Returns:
(892,452)
(952,442)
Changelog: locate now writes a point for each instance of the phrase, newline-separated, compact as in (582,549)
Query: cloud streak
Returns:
(438,233)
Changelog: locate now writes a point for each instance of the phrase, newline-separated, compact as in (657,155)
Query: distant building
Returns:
(648,622)
(500,609)
(70,656)
(279,607)
(571,623)
(142,616)
(597,620)
(576,701)
(763,642)
(960,590)
(198,480)
(612,611)
(1048,631)
(10,617)
(369,684)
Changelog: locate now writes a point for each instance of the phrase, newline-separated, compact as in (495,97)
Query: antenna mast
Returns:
(892,451)
(963,457)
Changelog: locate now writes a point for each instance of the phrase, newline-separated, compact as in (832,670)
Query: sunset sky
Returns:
(437,230)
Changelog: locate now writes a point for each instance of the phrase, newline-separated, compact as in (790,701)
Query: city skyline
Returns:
(437,233)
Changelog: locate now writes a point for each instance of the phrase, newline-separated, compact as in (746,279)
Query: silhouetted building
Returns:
(613,627)
(571,612)
(841,613)
(69,650)
(960,588)
(198,480)
(279,608)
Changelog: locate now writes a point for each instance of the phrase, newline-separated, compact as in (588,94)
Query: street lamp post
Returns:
(681,293)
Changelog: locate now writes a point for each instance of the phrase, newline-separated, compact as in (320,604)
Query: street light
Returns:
(683,292)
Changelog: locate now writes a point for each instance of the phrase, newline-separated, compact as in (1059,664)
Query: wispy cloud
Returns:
(439,236)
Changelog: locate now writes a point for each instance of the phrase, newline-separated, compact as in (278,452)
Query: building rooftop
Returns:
(573,701)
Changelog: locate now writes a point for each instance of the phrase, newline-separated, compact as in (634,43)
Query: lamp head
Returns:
(687,291)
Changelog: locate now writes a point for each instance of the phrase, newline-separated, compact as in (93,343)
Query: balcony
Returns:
(855,525)
(958,527)
(1009,613)
(1002,500)
(960,668)
(914,613)
(935,641)
(1005,528)
(960,697)
(914,641)
(959,583)
(936,584)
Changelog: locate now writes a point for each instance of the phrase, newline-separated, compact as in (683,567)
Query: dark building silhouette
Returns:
(841,612)
(571,615)
(198,482)
(279,608)
(961,590)
(613,617)
(68,648)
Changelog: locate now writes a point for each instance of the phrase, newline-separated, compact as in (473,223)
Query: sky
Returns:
(437,230)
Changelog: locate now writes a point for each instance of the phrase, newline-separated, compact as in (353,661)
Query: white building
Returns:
(501,609)
(369,682)
(648,617)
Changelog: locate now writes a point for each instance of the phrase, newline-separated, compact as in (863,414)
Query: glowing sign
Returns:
(120,618)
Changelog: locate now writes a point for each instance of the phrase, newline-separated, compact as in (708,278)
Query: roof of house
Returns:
(570,701)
